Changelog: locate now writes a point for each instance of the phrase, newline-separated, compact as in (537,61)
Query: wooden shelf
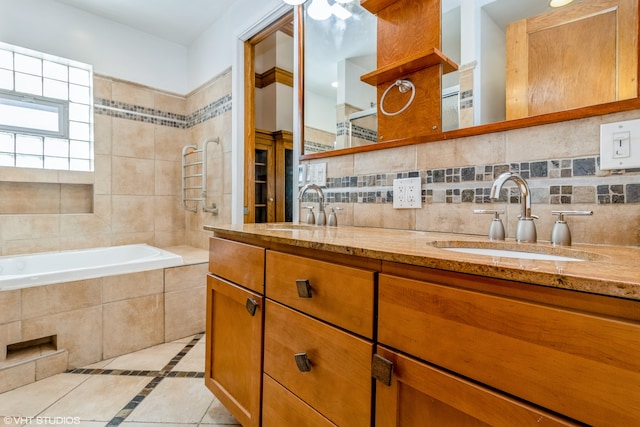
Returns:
(375,6)
(410,65)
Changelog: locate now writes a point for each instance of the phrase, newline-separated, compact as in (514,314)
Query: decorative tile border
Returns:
(163,118)
(157,377)
(555,182)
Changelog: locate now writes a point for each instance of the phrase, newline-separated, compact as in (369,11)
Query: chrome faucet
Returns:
(526,231)
(321,218)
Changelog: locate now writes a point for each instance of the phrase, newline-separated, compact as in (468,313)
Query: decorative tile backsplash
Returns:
(556,181)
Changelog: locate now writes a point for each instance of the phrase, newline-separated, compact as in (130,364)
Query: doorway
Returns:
(268,137)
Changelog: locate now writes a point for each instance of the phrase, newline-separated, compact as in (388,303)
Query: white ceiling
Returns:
(178,21)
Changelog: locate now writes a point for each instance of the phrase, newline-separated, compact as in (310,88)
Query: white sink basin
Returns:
(523,251)
(506,253)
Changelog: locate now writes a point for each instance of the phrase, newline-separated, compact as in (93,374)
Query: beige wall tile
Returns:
(185,277)
(101,87)
(102,173)
(126,286)
(132,176)
(29,226)
(176,104)
(169,142)
(27,197)
(168,178)
(52,364)
(76,198)
(185,312)
(10,333)
(102,134)
(17,376)
(132,214)
(133,139)
(132,94)
(59,298)
(133,324)
(395,159)
(9,306)
(169,215)
(79,332)
(29,246)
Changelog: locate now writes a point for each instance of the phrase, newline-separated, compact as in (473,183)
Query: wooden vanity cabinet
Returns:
(318,344)
(234,327)
(571,360)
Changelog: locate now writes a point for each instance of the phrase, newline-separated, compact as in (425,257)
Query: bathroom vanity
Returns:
(348,326)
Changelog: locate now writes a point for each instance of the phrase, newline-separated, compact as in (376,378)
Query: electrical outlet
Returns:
(407,193)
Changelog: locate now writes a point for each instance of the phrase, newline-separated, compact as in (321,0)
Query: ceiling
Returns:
(178,21)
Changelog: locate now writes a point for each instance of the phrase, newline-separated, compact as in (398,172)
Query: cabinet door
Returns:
(420,395)
(234,348)
(583,366)
(337,380)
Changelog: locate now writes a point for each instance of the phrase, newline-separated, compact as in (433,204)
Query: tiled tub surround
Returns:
(560,162)
(134,194)
(100,318)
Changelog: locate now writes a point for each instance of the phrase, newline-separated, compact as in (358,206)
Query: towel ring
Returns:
(403,87)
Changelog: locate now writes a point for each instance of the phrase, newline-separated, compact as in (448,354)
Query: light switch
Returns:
(620,145)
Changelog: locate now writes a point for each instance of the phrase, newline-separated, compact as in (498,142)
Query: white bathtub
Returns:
(23,271)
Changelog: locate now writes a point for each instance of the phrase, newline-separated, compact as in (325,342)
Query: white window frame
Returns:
(61,108)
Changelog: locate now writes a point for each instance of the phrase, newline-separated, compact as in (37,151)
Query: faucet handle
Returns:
(496,230)
(333,220)
(311,218)
(561,214)
(560,234)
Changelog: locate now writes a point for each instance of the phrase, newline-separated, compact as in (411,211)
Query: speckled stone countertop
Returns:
(605,270)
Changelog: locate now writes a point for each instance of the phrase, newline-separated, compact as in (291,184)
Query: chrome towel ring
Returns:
(403,87)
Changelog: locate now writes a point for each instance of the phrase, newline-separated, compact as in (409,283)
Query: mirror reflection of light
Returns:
(559,3)
(334,84)
(294,2)
(319,9)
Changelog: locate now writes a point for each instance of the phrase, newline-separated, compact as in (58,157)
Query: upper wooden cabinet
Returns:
(551,56)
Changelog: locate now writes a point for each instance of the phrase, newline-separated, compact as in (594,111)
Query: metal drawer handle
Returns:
(381,369)
(303,362)
(251,305)
(304,288)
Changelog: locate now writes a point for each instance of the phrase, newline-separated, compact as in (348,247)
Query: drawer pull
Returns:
(304,288)
(303,362)
(381,369)
(251,305)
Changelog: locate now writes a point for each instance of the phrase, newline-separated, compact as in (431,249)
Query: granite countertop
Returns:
(604,270)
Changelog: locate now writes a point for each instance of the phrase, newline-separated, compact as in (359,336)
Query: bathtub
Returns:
(37,269)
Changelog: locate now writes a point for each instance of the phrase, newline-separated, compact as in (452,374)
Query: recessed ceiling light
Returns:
(559,3)
(334,84)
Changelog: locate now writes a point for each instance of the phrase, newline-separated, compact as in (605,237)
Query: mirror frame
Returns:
(505,125)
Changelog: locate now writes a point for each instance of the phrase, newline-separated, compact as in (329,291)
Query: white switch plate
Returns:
(620,145)
(407,193)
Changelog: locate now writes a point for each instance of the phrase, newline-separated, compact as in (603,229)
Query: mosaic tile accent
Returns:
(157,376)
(570,181)
(371,135)
(163,118)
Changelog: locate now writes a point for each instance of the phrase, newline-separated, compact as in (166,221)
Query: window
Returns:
(46,111)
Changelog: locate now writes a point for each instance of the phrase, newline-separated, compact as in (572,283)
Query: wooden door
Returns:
(233,369)
(551,57)
(421,395)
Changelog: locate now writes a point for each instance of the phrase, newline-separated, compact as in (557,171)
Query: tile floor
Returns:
(160,386)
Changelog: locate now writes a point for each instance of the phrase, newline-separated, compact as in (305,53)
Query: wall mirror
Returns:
(506,50)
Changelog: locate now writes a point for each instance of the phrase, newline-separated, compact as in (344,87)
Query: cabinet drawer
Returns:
(281,408)
(237,262)
(421,395)
(339,294)
(577,364)
(338,384)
